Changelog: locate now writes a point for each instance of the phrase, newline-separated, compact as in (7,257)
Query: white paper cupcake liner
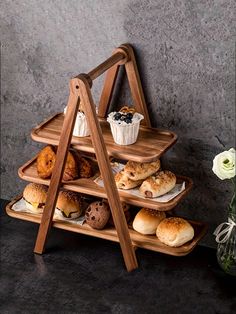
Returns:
(125,134)
(81,128)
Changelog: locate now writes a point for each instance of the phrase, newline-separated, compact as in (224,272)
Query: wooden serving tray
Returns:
(151,143)
(138,240)
(29,173)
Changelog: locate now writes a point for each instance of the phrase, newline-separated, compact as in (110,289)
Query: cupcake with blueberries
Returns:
(125,125)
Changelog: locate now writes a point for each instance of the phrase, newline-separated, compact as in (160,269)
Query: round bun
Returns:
(147,220)
(69,204)
(35,197)
(174,231)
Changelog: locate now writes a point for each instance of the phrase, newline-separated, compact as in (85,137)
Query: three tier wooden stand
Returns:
(151,144)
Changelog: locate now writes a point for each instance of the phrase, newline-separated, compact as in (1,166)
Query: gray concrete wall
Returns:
(185,53)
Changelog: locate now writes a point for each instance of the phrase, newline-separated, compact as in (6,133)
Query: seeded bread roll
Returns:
(141,170)
(158,184)
(35,197)
(147,220)
(69,204)
(123,182)
(174,231)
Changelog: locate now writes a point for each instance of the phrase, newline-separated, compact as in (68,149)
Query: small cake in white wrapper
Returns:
(124,132)
(81,128)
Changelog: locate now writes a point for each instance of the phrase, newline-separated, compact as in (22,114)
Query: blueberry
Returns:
(123,117)
(129,115)
(127,120)
(117,116)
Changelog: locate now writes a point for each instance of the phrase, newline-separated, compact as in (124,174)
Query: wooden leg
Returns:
(135,85)
(107,91)
(65,139)
(107,175)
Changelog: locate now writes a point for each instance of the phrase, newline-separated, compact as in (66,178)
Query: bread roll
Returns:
(158,184)
(35,196)
(147,220)
(174,231)
(123,182)
(69,204)
(140,170)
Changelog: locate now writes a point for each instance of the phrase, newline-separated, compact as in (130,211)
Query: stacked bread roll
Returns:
(152,181)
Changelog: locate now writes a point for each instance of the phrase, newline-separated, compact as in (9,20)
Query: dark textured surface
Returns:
(80,274)
(185,52)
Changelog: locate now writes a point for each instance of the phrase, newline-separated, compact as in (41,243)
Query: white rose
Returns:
(224,164)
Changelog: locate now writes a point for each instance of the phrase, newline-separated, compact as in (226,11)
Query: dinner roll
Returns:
(174,231)
(147,220)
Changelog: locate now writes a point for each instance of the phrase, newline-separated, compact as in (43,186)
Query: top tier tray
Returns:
(151,143)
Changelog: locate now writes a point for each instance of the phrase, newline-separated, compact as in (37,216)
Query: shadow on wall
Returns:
(185,90)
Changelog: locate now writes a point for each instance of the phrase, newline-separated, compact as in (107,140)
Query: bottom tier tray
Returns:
(146,242)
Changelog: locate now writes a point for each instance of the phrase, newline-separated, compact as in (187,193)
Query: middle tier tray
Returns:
(150,145)
(29,173)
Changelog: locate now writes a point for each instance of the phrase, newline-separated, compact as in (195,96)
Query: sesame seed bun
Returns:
(69,204)
(35,197)
(174,231)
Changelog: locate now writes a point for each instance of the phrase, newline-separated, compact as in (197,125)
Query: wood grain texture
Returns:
(107,91)
(138,240)
(108,178)
(136,86)
(57,173)
(103,67)
(109,83)
(151,143)
(29,173)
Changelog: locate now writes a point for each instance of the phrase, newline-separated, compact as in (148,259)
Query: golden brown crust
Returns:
(71,168)
(85,168)
(123,182)
(45,162)
(140,170)
(174,231)
(158,184)
(69,202)
(147,220)
(35,193)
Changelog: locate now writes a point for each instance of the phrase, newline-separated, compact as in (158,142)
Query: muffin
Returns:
(81,128)
(125,125)
(97,214)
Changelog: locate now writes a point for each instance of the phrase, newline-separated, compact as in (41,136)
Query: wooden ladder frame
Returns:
(80,87)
